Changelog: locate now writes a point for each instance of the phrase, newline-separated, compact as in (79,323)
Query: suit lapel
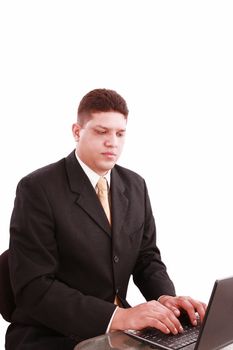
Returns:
(86,195)
(119,202)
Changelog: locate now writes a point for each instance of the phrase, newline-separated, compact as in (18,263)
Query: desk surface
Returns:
(117,341)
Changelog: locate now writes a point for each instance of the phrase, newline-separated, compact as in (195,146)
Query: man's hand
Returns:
(188,304)
(150,314)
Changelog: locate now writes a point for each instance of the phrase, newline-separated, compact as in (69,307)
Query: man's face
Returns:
(101,140)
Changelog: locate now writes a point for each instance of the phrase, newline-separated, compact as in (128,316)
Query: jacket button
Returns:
(116,259)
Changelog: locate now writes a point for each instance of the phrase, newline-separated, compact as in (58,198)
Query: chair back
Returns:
(7,303)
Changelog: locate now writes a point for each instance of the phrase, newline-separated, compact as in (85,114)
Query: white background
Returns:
(172,61)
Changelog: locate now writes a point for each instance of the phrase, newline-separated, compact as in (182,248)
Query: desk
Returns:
(116,341)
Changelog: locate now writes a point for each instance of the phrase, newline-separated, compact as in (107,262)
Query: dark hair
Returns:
(101,100)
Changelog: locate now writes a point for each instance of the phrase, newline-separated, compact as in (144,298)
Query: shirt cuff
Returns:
(110,322)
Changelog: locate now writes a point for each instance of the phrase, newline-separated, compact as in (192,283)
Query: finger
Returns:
(167,318)
(170,304)
(156,323)
(189,305)
(201,310)
(164,325)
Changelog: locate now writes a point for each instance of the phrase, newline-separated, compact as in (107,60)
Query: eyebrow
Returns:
(105,128)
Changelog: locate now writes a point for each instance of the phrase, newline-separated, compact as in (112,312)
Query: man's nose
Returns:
(111,141)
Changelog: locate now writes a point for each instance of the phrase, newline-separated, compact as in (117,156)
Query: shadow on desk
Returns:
(117,341)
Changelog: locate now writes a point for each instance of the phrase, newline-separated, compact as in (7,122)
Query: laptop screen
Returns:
(217,330)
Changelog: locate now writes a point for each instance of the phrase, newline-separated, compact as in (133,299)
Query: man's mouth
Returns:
(109,154)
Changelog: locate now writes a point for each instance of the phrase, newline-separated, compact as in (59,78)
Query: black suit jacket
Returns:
(67,263)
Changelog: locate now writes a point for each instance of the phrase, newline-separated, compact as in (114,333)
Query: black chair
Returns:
(7,304)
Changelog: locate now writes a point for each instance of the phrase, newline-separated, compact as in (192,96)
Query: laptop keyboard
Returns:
(169,341)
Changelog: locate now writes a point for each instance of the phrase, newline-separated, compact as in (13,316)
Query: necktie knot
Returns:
(102,185)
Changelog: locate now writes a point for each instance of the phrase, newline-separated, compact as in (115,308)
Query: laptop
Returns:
(215,332)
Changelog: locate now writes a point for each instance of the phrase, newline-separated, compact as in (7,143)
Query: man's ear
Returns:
(76,131)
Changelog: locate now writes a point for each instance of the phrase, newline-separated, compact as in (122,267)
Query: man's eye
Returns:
(120,134)
(100,132)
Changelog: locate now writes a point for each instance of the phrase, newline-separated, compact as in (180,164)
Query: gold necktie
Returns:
(102,193)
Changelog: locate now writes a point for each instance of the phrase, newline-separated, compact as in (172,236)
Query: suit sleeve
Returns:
(34,262)
(150,273)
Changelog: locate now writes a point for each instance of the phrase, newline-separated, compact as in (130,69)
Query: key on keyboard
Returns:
(175,342)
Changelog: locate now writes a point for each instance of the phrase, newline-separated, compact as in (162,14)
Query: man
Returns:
(71,257)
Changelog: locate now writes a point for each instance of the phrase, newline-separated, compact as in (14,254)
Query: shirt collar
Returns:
(92,175)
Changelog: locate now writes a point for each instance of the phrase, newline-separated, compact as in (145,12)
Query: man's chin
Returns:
(107,166)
